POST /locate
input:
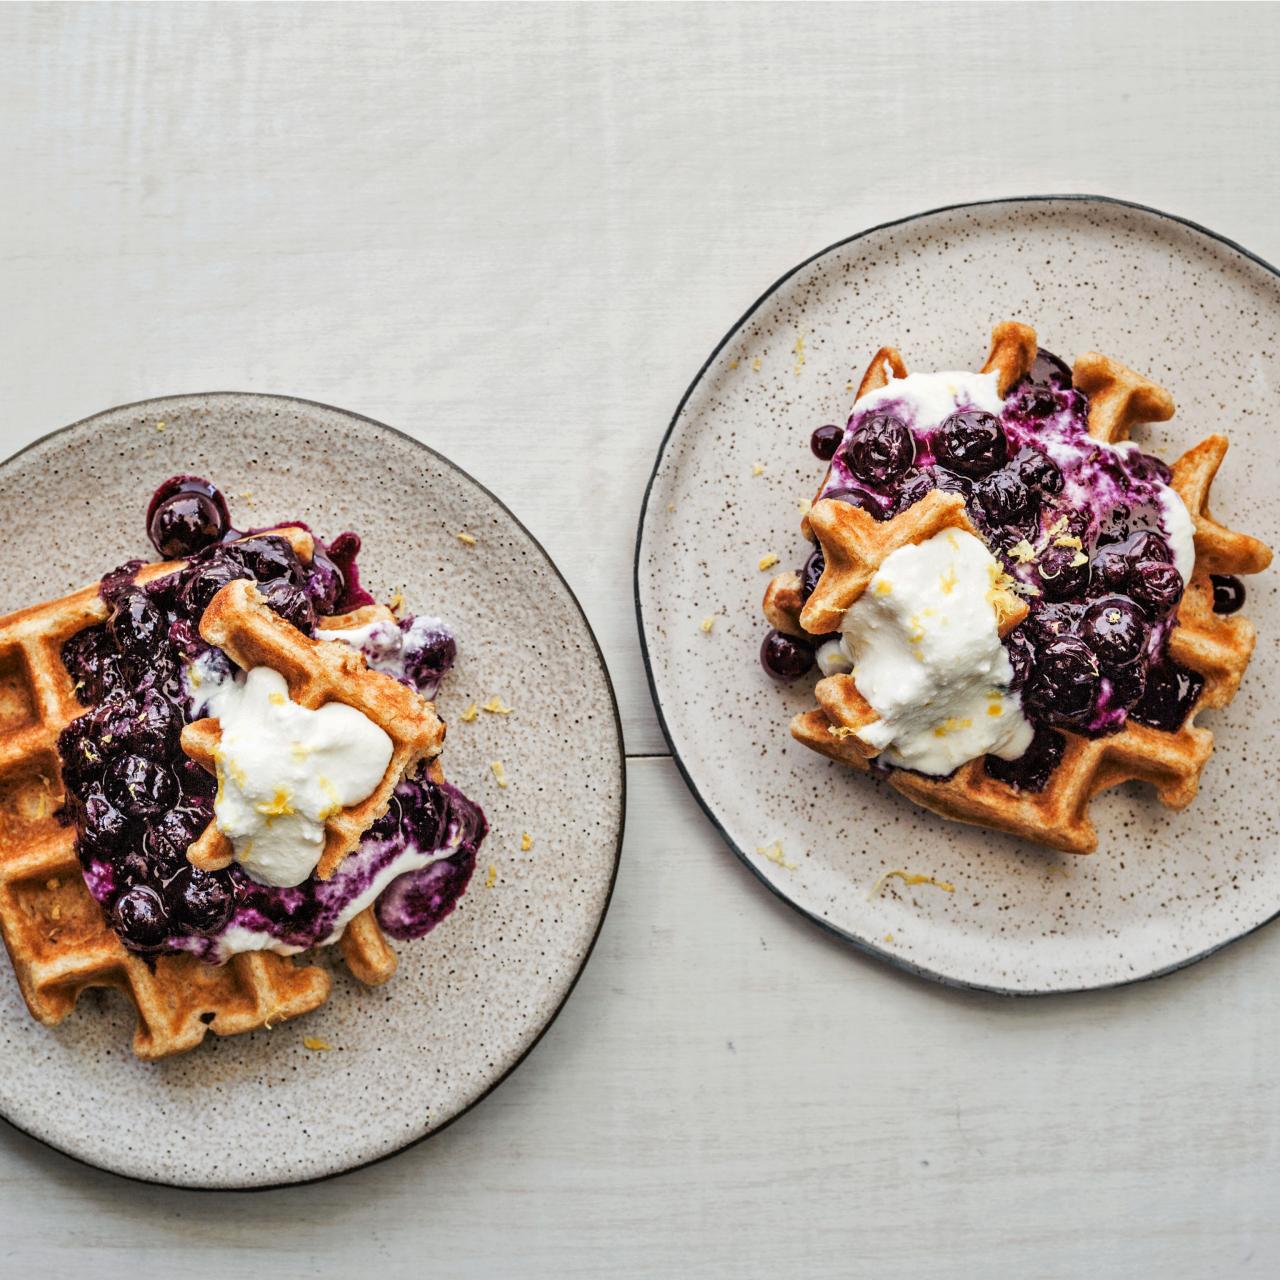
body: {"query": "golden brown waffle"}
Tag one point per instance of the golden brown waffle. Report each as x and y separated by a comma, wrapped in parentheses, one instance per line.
(57, 936)
(238, 622)
(1216, 647)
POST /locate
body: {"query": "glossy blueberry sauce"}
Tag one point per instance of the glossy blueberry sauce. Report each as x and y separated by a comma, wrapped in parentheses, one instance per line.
(138, 801)
(1081, 529)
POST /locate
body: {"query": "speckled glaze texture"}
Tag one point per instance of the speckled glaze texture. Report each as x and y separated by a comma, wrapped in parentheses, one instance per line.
(1173, 302)
(470, 999)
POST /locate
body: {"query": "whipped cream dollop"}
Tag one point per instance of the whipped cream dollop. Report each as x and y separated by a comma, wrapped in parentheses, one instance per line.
(923, 646)
(283, 769)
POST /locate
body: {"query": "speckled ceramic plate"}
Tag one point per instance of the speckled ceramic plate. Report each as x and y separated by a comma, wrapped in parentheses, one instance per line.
(1194, 311)
(470, 999)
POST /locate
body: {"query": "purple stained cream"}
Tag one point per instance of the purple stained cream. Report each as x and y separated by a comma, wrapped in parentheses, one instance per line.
(1091, 535)
(138, 802)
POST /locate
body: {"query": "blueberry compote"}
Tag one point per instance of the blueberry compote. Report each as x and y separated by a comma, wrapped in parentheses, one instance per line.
(138, 802)
(1091, 536)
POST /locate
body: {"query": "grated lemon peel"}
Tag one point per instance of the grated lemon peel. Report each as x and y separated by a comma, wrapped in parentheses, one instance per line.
(909, 878)
(773, 853)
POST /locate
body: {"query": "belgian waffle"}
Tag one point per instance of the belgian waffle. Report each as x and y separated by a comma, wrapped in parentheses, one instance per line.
(1216, 647)
(57, 936)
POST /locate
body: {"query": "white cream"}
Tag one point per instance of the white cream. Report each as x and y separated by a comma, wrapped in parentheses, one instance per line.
(832, 659)
(1181, 532)
(924, 648)
(381, 642)
(931, 398)
(283, 769)
(384, 645)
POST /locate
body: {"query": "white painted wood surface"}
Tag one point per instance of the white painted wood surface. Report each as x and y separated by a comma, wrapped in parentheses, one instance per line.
(517, 232)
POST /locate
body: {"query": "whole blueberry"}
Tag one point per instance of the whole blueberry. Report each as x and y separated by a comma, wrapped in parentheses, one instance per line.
(1115, 628)
(1170, 694)
(1003, 497)
(208, 579)
(875, 504)
(1049, 370)
(158, 723)
(136, 626)
(185, 523)
(1055, 618)
(428, 656)
(785, 657)
(811, 572)
(145, 723)
(201, 899)
(185, 640)
(324, 583)
(1039, 471)
(1064, 575)
(197, 507)
(1064, 686)
(113, 721)
(1156, 586)
(91, 658)
(825, 441)
(971, 442)
(164, 859)
(105, 829)
(140, 918)
(1228, 593)
(179, 827)
(1147, 545)
(291, 602)
(1111, 569)
(139, 786)
(881, 449)
(267, 558)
